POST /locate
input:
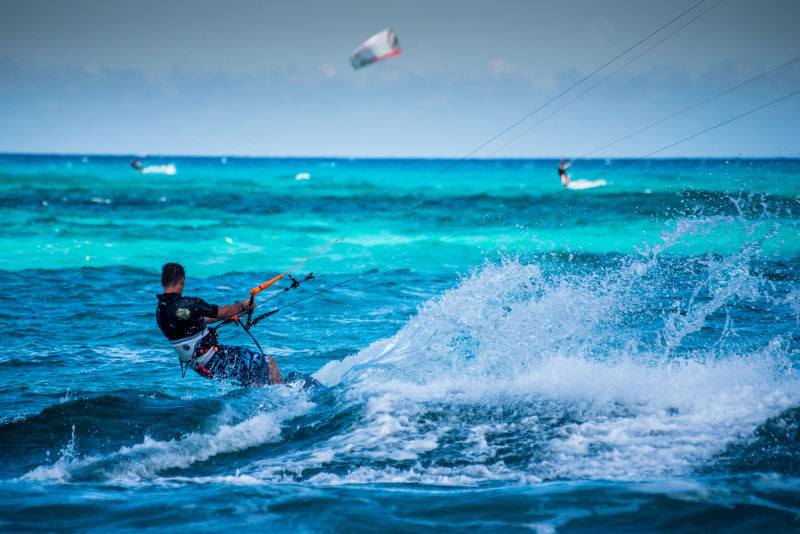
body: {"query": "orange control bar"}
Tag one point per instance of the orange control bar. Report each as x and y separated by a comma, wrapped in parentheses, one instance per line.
(265, 285)
(258, 289)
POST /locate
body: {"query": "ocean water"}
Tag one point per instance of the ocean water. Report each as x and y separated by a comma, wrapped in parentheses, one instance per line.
(501, 354)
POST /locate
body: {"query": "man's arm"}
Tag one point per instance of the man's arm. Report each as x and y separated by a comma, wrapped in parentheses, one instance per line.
(226, 312)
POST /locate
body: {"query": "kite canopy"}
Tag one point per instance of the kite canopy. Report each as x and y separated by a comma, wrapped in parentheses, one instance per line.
(378, 47)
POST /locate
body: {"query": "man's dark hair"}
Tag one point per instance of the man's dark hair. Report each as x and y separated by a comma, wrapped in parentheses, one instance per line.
(171, 274)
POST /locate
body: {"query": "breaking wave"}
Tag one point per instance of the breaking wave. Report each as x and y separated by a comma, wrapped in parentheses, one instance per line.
(608, 368)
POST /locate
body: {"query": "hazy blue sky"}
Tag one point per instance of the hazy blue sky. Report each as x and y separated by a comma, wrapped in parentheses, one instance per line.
(273, 78)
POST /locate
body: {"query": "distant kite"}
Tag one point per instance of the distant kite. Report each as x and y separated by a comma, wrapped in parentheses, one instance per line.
(380, 46)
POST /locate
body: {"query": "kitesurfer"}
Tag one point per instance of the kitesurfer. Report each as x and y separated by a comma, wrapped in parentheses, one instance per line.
(562, 172)
(137, 165)
(184, 320)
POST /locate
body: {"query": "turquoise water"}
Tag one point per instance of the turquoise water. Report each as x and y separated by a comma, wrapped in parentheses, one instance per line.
(502, 354)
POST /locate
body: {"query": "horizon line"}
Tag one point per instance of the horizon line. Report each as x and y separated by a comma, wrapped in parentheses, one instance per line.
(323, 157)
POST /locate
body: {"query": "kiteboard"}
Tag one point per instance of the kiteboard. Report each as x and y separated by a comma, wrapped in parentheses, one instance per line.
(303, 380)
(585, 184)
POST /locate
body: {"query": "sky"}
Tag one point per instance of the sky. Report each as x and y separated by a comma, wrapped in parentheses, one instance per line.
(267, 78)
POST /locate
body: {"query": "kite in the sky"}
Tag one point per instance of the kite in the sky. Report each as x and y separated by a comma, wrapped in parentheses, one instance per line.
(380, 46)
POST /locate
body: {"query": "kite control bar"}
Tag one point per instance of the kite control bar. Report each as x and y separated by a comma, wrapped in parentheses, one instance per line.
(250, 321)
(258, 289)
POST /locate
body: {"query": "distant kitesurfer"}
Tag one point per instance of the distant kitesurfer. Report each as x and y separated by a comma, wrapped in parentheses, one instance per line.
(562, 172)
(137, 165)
(184, 320)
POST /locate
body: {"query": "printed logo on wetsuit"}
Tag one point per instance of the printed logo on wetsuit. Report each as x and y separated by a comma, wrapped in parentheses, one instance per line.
(183, 313)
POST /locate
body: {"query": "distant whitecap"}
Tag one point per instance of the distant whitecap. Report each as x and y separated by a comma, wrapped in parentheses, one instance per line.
(160, 169)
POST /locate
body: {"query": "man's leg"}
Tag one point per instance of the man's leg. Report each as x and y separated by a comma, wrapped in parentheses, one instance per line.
(250, 368)
(274, 373)
(255, 369)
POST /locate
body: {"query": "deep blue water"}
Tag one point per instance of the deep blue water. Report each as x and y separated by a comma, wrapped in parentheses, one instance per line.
(501, 354)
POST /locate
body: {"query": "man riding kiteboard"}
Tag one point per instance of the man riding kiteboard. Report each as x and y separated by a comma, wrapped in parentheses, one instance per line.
(562, 172)
(184, 321)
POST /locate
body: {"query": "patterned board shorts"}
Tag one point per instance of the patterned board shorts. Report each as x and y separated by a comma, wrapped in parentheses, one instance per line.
(237, 363)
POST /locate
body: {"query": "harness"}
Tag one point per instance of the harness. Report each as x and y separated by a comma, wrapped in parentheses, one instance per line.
(189, 355)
